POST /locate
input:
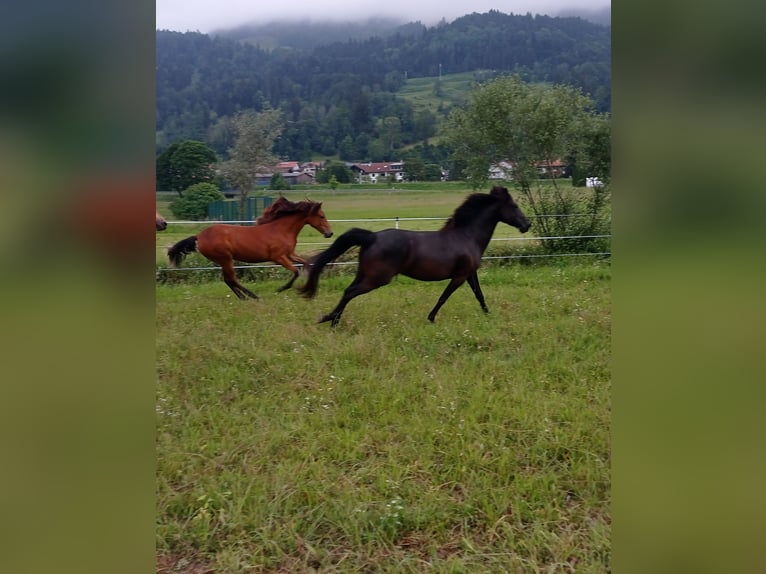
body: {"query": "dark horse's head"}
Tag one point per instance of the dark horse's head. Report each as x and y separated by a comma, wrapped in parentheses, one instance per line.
(509, 209)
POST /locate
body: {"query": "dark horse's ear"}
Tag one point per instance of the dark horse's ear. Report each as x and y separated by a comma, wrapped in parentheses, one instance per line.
(500, 192)
(315, 207)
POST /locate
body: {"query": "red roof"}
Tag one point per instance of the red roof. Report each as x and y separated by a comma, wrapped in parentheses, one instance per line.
(287, 165)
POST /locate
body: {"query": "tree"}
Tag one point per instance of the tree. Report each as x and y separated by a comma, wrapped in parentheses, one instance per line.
(338, 170)
(432, 172)
(252, 152)
(193, 203)
(390, 132)
(531, 126)
(414, 168)
(183, 164)
(278, 182)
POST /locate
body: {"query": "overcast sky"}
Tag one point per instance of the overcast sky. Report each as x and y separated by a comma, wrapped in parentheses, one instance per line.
(209, 15)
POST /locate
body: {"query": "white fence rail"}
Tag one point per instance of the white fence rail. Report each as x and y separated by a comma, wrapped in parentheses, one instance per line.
(396, 220)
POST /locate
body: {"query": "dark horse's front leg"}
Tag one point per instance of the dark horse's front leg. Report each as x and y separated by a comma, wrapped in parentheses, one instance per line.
(473, 281)
(450, 289)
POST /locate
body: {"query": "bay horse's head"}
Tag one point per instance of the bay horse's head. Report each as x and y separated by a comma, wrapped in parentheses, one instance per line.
(159, 221)
(509, 210)
(318, 220)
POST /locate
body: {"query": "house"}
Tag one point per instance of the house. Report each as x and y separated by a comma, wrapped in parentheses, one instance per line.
(593, 182)
(312, 167)
(554, 169)
(504, 169)
(501, 170)
(301, 178)
(375, 172)
(287, 167)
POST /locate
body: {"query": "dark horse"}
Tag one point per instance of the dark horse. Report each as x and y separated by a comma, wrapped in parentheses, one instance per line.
(272, 239)
(454, 252)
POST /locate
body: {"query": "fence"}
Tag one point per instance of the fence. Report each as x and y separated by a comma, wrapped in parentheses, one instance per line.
(225, 211)
(396, 221)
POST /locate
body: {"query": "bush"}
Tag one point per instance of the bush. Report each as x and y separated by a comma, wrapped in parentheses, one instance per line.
(278, 182)
(193, 204)
(575, 215)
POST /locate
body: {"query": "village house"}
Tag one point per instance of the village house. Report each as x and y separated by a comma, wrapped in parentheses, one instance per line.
(375, 172)
(504, 170)
(287, 167)
(294, 173)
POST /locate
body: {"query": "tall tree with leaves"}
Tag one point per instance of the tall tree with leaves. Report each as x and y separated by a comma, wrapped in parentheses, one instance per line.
(252, 152)
(184, 164)
(533, 125)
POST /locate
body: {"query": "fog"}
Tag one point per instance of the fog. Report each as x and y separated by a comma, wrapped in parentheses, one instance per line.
(205, 16)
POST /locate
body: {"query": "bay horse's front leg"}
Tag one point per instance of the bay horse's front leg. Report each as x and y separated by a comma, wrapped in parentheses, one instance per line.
(473, 281)
(449, 290)
(285, 261)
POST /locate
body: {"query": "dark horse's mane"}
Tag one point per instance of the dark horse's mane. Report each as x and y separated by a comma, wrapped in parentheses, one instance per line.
(474, 204)
(283, 207)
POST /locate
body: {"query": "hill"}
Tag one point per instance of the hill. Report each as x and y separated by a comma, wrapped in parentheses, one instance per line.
(364, 98)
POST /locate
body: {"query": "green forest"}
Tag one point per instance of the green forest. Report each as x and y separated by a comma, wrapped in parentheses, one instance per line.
(352, 99)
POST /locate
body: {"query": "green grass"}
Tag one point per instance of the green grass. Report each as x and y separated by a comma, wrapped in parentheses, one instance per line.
(455, 90)
(479, 443)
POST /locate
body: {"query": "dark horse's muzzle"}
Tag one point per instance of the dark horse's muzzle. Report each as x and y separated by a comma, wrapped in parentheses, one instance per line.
(328, 234)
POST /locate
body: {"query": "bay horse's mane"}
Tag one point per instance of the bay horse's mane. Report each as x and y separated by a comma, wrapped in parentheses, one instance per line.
(474, 204)
(283, 207)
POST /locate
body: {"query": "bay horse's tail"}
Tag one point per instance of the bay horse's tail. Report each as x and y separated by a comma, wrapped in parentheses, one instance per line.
(351, 238)
(177, 253)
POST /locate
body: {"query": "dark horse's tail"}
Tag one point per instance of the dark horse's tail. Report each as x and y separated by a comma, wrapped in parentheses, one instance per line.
(177, 253)
(351, 238)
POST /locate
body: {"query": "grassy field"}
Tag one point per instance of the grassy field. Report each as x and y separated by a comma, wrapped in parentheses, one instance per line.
(479, 443)
(454, 90)
(476, 444)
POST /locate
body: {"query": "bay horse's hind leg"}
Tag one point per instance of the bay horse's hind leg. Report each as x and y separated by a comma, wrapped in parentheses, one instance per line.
(285, 262)
(230, 278)
(473, 281)
(449, 290)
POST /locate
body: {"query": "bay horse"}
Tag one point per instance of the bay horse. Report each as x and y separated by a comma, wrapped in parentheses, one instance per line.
(273, 238)
(159, 221)
(453, 252)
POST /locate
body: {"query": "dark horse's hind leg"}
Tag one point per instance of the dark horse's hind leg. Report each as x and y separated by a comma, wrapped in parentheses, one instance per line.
(473, 281)
(450, 289)
(358, 287)
(230, 278)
